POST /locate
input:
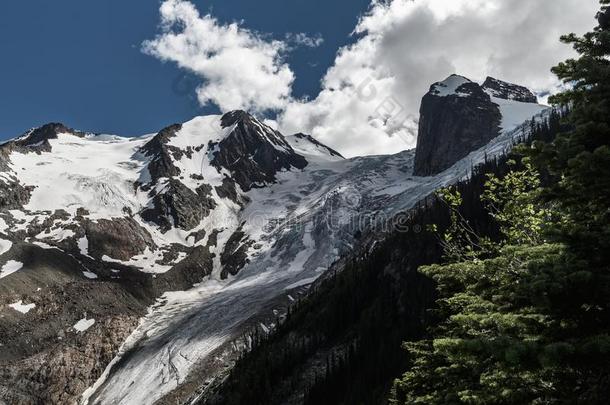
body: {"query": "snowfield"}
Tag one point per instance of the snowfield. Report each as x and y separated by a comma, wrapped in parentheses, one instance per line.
(96, 172)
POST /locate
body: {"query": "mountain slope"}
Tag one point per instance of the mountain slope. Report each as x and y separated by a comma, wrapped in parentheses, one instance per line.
(342, 342)
(222, 217)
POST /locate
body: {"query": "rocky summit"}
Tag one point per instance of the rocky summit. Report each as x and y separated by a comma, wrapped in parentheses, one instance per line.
(130, 268)
(458, 116)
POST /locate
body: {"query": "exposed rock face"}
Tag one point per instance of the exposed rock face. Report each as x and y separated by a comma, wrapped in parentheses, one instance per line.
(179, 206)
(189, 271)
(176, 204)
(235, 257)
(161, 164)
(457, 116)
(118, 238)
(59, 375)
(13, 195)
(253, 152)
(603, 17)
(36, 140)
(508, 91)
(228, 189)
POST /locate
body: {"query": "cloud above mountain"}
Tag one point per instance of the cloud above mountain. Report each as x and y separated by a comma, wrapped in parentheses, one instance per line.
(370, 97)
(239, 69)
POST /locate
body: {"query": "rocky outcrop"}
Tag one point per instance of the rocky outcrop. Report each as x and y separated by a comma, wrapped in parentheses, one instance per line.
(253, 152)
(197, 265)
(457, 117)
(160, 153)
(14, 195)
(45, 133)
(117, 238)
(36, 140)
(250, 155)
(59, 374)
(508, 91)
(177, 205)
(235, 254)
(228, 190)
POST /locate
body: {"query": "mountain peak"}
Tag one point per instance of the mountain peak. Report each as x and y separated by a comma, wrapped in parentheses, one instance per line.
(254, 152)
(458, 116)
(450, 86)
(44, 133)
(235, 116)
(508, 91)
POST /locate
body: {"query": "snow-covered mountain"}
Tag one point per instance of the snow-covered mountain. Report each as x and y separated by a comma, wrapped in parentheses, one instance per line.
(222, 217)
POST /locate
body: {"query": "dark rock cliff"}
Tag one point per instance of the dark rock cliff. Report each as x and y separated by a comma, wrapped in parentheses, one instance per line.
(456, 117)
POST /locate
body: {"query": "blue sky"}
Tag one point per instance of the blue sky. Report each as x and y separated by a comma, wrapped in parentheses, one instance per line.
(79, 62)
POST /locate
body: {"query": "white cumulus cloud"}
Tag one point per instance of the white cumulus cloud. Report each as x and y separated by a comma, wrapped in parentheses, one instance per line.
(239, 69)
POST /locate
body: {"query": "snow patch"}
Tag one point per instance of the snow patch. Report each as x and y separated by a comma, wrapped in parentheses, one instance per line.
(305, 147)
(5, 246)
(90, 275)
(43, 245)
(10, 267)
(83, 324)
(21, 307)
(57, 234)
(83, 246)
(515, 113)
(3, 225)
